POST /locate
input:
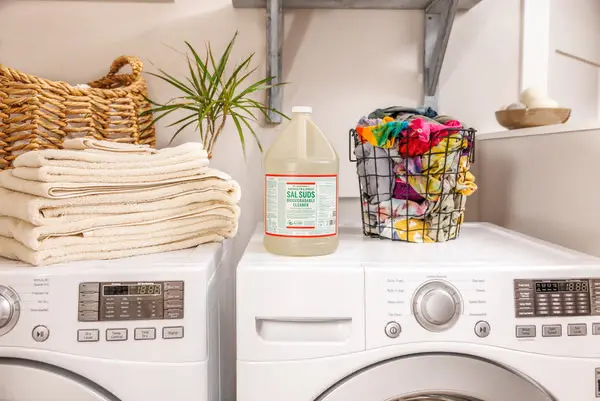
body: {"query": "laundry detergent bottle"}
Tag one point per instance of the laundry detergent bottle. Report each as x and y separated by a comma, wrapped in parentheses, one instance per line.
(301, 190)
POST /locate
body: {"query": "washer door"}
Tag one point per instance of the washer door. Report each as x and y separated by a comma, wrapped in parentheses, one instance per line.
(22, 380)
(436, 377)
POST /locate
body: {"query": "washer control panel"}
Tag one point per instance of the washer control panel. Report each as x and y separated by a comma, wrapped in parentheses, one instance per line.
(110, 301)
(569, 297)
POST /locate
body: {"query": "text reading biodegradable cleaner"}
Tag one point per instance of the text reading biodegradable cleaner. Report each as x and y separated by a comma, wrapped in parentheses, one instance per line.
(301, 190)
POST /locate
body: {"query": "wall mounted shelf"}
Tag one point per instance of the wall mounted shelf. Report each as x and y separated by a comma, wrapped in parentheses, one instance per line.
(439, 18)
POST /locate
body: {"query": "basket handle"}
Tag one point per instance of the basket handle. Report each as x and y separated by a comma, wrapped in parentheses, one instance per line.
(135, 63)
(113, 80)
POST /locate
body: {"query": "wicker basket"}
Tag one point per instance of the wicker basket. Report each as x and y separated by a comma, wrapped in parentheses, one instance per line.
(37, 113)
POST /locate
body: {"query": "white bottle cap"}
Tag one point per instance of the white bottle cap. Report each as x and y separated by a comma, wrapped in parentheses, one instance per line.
(302, 109)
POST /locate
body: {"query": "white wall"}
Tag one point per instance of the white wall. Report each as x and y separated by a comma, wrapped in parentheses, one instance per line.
(544, 186)
(574, 81)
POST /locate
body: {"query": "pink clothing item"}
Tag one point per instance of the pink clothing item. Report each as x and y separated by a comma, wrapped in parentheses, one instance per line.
(423, 135)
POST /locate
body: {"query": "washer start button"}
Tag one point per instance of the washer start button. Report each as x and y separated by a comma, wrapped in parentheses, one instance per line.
(40, 333)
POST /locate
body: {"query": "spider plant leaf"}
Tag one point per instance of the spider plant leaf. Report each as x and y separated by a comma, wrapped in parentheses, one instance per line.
(224, 58)
(253, 104)
(163, 115)
(151, 101)
(244, 77)
(233, 79)
(246, 110)
(201, 66)
(240, 131)
(185, 106)
(195, 83)
(193, 115)
(174, 82)
(255, 87)
(180, 129)
(247, 124)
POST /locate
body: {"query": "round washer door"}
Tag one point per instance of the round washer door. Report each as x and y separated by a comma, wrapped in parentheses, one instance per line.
(22, 380)
(436, 377)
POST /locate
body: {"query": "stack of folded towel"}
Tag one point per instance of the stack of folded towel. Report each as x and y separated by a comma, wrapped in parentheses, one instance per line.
(105, 200)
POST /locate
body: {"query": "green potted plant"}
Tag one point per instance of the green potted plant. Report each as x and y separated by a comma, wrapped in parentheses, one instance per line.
(213, 93)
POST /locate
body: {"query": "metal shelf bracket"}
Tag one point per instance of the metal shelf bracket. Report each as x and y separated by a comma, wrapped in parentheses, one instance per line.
(439, 18)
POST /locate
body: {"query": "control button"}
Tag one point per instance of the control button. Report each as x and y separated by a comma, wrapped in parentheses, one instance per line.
(554, 330)
(523, 285)
(174, 314)
(524, 294)
(482, 329)
(88, 306)
(174, 304)
(88, 335)
(525, 331)
(89, 287)
(174, 285)
(40, 333)
(116, 334)
(392, 329)
(596, 329)
(89, 297)
(145, 333)
(579, 329)
(172, 332)
(526, 304)
(88, 316)
(173, 294)
(524, 313)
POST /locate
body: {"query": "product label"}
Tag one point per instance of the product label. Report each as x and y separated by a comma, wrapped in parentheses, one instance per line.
(301, 206)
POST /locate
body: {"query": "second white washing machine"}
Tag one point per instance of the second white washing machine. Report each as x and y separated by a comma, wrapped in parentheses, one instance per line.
(141, 328)
(491, 316)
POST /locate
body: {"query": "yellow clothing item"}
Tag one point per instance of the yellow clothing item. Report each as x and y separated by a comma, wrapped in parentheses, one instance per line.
(412, 230)
(465, 184)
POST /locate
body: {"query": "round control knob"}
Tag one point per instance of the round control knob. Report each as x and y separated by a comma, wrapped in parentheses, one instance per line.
(5, 311)
(9, 309)
(437, 305)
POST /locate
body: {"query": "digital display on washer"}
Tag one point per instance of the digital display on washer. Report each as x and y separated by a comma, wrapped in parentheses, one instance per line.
(562, 286)
(131, 300)
(552, 297)
(132, 289)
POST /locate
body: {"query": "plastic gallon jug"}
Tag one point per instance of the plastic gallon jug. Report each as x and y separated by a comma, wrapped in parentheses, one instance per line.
(301, 190)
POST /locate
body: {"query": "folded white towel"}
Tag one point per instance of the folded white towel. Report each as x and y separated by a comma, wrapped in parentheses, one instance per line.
(9, 248)
(220, 219)
(107, 146)
(43, 211)
(64, 190)
(108, 160)
(33, 237)
(125, 175)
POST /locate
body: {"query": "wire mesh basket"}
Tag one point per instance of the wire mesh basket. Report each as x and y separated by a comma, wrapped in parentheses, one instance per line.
(414, 187)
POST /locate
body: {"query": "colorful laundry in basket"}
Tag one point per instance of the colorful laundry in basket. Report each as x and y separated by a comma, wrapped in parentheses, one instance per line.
(414, 173)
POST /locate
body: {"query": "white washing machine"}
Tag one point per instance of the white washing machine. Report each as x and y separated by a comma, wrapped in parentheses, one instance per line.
(140, 328)
(492, 316)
